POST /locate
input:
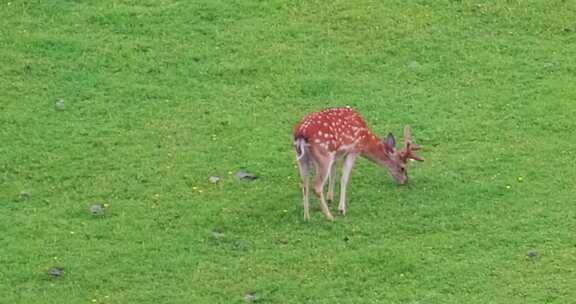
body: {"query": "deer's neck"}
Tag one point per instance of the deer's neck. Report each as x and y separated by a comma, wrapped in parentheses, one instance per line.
(374, 150)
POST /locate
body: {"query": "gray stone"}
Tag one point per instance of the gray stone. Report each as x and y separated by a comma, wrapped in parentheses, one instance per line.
(218, 235)
(244, 175)
(60, 105)
(55, 272)
(24, 196)
(241, 245)
(96, 209)
(250, 297)
(414, 65)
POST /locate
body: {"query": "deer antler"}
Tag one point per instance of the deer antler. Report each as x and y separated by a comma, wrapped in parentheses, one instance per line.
(407, 151)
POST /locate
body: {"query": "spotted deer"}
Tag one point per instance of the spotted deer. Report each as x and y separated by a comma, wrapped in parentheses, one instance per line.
(322, 138)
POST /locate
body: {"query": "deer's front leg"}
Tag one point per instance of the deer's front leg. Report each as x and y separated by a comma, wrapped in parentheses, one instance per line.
(346, 169)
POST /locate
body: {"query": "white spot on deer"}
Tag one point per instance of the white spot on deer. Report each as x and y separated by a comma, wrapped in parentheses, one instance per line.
(319, 133)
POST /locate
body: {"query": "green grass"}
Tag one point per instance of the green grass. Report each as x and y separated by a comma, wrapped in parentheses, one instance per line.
(161, 95)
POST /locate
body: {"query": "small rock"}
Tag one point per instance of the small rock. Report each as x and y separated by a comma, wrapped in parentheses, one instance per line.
(24, 196)
(55, 272)
(250, 297)
(241, 245)
(96, 209)
(243, 175)
(60, 105)
(218, 235)
(532, 253)
(413, 65)
(214, 179)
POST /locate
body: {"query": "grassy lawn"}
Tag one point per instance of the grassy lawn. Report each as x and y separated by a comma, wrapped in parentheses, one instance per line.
(159, 95)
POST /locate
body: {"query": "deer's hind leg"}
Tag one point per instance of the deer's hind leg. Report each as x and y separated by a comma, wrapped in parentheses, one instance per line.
(323, 163)
(304, 164)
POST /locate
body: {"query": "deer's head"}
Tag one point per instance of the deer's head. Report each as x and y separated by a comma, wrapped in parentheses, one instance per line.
(397, 159)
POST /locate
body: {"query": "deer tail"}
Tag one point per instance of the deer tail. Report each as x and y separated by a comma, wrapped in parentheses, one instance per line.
(300, 144)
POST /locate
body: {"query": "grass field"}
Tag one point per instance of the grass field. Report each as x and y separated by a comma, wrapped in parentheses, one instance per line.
(161, 95)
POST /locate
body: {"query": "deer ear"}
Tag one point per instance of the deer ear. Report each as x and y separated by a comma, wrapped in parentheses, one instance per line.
(390, 143)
